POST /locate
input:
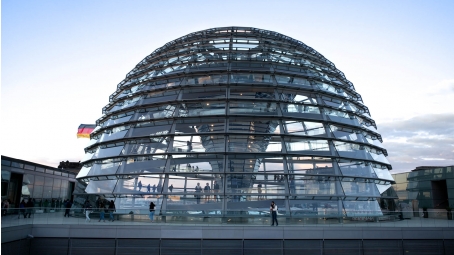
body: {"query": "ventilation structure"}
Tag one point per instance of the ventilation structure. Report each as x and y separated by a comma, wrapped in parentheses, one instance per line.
(222, 121)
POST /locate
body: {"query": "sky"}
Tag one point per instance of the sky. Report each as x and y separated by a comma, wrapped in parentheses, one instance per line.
(61, 60)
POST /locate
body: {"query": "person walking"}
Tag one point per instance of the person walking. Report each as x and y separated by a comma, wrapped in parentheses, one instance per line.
(101, 212)
(112, 209)
(152, 206)
(273, 210)
(67, 205)
(88, 208)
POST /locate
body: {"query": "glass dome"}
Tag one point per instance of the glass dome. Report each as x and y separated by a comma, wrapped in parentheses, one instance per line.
(224, 120)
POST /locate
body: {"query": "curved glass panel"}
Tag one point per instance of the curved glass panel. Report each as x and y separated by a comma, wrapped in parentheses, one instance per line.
(101, 187)
(117, 120)
(250, 78)
(117, 133)
(83, 172)
(205, 93)
(307, 128)
(139, 165)
(146, 146)
(356, 188)
(107, 167)
(251, 93)
(108, 152)
(200, 125)
(315, 207)
(150, 129)
(244, 125)
(356, 168)
(258, 108)
(383, 173)
(159, 96)
(150, 184)
(201, 109)
(362, 208)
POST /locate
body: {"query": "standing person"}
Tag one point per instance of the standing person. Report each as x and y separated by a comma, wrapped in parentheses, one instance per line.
(154, 188)
(5, 206)
(152, 206)
(88, 208)
(216, 190)
(22, 209)
(259, 189)
(29, 206)
(101, 212)
(198, 189)
(112, 209)
(171, 187)
(140, 185)
(206, 190)
(68, 205)
(148, 188)
(46, 204)
(273, 210)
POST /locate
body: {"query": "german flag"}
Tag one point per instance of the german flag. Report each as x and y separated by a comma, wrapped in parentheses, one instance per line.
(85, 130)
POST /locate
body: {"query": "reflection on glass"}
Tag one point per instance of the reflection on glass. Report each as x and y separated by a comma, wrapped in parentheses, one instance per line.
(145, 164)
(238, 125)
(355, 188)
(304, 128)
(362, 208)
(252, 107)
(100, 187)
(301, 144)
(356, 168)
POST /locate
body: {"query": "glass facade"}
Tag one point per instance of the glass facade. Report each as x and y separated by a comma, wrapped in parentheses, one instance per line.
(426, 187)
(22, 180)
(222, 121)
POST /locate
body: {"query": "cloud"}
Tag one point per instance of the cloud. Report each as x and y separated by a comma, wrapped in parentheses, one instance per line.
(424, 140)
(442, 88)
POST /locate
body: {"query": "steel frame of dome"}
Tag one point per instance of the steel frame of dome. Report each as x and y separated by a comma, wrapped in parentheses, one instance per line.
(260, 114)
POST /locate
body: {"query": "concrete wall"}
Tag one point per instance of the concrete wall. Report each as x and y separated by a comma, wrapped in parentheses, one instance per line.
(156, 239)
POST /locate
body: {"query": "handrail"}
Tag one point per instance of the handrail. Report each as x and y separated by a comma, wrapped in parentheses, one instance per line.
(39, 215)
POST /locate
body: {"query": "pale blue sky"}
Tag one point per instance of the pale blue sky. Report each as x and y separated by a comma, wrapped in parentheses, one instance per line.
(62, 59)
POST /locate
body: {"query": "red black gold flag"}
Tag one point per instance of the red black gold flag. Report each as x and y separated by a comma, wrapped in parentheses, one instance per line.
(85, 130)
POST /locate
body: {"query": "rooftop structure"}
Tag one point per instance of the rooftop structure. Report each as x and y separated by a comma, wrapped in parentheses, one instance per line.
(430, 187)
(225, 120)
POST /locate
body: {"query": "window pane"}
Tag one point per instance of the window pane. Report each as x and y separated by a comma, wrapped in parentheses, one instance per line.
(39, 180)
(49, 181)
(38, 191)
(57, 183)
(6, 162)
